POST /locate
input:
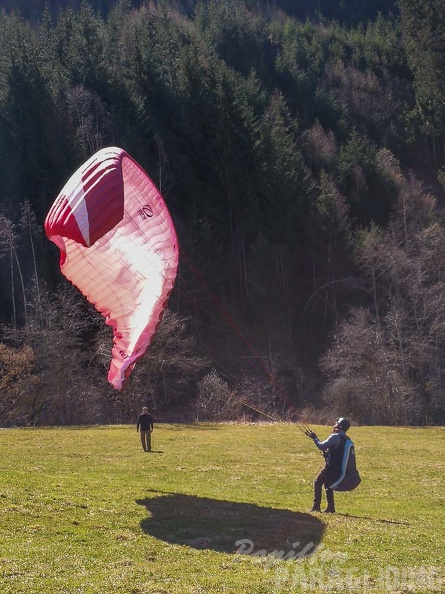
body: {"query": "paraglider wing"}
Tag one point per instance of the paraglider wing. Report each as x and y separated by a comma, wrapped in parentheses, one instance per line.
(118, 246)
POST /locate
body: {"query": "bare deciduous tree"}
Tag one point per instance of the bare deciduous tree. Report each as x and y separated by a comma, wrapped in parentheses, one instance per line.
(386, 363)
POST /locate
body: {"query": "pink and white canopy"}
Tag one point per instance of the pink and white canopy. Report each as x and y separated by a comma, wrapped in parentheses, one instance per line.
(118, 246)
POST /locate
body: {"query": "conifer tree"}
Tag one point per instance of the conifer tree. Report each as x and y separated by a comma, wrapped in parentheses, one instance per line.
(423, 27)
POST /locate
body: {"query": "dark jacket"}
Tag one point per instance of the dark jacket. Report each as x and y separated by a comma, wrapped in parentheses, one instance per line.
(145, 422)
(333, 449)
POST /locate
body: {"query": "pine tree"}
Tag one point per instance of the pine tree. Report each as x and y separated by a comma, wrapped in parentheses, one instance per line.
(423, 27)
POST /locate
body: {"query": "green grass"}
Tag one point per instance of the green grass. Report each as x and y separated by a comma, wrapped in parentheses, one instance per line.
(85, 510)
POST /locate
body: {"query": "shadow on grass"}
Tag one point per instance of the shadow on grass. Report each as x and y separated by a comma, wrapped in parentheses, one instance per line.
(381, 520)
(230, 527)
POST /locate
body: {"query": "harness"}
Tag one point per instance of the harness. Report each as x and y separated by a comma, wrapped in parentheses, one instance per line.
(342, 473)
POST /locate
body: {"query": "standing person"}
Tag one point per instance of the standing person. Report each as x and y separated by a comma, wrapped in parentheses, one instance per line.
(333, 448)
(145, 423)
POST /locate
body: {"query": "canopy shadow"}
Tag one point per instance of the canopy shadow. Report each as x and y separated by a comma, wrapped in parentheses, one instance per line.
(230, 527)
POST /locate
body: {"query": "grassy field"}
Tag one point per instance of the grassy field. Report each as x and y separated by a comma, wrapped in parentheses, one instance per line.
(217, 509)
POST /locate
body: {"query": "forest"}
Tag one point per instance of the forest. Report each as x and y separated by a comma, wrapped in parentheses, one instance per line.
(300, 149)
